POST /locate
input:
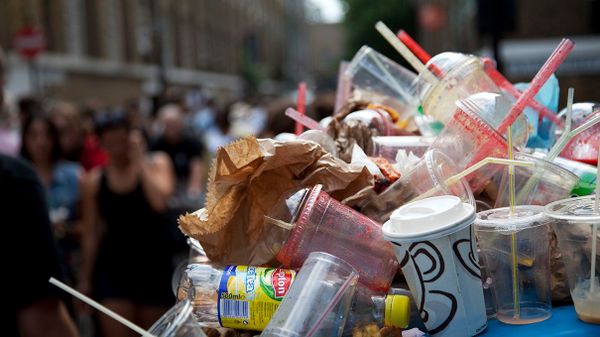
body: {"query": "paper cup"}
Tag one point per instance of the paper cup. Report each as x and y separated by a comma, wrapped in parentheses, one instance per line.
(434, 243)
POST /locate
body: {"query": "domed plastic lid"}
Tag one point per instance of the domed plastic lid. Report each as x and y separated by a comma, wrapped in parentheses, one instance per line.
(448, 60)
(574, 209)
(501, 219)
(428, 219)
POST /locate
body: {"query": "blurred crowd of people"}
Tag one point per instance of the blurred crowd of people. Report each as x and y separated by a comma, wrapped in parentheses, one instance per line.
(114, 180)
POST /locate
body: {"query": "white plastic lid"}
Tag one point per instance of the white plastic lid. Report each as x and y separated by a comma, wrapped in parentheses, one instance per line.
(428, 219)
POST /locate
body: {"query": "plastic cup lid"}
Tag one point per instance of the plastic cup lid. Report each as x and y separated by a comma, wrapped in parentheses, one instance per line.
(574, 209)
(501, 219)
(428, 219)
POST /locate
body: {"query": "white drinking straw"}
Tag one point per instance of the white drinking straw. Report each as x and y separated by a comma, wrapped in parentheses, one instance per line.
(101, 308)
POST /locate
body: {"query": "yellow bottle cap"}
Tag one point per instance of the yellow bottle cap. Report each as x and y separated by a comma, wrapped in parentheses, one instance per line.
(397, 311)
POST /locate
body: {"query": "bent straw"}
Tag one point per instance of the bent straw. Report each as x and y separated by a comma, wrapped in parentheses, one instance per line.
(301, 105)
(513, 236)
(555, 151)
(457, 177)
(554, 61)
(405, 52)
(505, 84)
(418, 51)
(560, 144)
(303, 119)
(100, 307)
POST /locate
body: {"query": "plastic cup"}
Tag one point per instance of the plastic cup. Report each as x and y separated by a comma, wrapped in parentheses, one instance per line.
(434, 242)
(527, 230)
(573, 221)
(177, 322)
(318, 301)
(317, 222)
(541, 184)
(372, 72)
(467, 139)
(430, 172)
(388, 147)
(463, 75)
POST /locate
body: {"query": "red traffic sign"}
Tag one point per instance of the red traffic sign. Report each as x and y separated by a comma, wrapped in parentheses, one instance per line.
(30, 42)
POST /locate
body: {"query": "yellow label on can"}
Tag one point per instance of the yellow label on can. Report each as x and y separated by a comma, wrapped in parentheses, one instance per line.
(249, 296)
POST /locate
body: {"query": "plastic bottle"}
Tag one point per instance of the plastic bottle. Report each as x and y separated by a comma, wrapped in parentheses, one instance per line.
(205, 284)
(240, 297)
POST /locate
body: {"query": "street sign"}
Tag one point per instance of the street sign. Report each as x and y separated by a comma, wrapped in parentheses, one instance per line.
(30, 42)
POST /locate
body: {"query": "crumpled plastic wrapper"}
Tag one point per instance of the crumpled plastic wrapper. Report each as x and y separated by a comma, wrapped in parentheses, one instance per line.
(246, 180)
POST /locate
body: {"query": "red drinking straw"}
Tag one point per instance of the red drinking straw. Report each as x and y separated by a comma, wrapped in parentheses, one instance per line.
(419, 52)
(554, 61)
(300, 106)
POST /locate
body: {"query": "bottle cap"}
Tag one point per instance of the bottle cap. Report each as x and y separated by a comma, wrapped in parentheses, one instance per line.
(397, 311)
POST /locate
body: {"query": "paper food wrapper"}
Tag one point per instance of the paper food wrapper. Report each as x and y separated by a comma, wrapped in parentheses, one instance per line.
(246, 180)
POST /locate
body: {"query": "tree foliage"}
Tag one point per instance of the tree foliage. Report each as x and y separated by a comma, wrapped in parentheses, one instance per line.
(361, 17)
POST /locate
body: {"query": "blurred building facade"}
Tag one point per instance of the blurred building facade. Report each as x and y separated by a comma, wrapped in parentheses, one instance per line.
(118, 49)
(326, 49)
(527, 32)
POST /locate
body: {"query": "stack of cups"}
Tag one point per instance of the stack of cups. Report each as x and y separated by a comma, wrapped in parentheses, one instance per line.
(434, 242)
(576, 223)
(515, 247)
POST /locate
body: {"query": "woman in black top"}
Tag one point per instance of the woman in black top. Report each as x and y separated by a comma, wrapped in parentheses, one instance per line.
(127, 254)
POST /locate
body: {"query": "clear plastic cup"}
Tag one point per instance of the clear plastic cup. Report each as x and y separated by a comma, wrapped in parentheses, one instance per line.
(526, 230)
(430, 172)
(318, 301)
(434, 242)
(177, 322)
(310, 220)
(372, 72)
(541, 184)
(388, 147)
(468, 138)
(463, 75)
(573, 221)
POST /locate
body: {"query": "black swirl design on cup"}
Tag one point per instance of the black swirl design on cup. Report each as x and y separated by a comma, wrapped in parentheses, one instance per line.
(469, 264)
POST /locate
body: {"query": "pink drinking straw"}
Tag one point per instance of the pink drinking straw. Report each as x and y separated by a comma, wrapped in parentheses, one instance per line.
(419, 52)
(502, 82)
(554, 61)
(303, 119)
(300, 106)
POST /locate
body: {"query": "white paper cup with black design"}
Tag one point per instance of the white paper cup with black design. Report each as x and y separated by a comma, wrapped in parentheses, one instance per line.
(434, 242)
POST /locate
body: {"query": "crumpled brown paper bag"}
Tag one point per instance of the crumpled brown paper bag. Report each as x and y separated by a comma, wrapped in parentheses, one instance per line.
(247, 178)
